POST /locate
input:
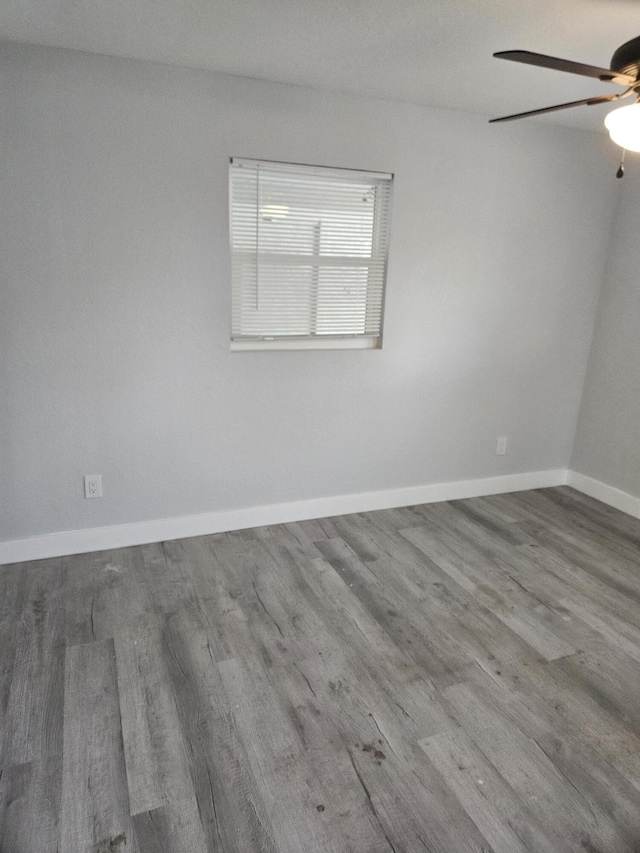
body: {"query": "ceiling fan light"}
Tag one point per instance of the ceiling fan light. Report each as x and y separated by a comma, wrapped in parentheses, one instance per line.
(623, 125)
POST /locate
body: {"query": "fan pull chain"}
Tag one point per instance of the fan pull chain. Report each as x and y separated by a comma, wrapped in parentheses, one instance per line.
(620, 172)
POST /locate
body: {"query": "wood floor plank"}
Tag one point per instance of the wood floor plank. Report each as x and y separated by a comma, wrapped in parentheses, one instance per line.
(610, 796)
(154, 748)
(613, 675)
(452, 613)
(353, 641)
(566, 699)
(501, 815)
(231, 810)
(173, 828)
(396, 607)
(445, 677)
(492, 535)
(329, 740)
(596, 611)
(95, 802)
(490, 583)
(166, 584)
(379, 739)
(574, 510)
(530, 772)
(244, 599)
(12, 584)
(33, 722)
(30, 806)
(290, 790)
(101, 594)
(607, 557)
(401, 799)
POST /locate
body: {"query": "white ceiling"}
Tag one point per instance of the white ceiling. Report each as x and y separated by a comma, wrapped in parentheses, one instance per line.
(436, 52)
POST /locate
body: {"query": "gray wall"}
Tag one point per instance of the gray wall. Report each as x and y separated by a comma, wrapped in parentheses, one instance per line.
(115, 301)
(607, 445)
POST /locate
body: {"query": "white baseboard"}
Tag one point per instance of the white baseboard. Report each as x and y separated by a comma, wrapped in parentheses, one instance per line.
(143, 532)
(607, 494)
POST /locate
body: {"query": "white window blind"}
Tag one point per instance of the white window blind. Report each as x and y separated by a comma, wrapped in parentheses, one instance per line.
(309, 253)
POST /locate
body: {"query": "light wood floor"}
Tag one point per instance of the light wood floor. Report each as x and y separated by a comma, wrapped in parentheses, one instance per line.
(454, 677)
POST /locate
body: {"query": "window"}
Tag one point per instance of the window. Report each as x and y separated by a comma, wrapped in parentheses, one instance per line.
(309, 255)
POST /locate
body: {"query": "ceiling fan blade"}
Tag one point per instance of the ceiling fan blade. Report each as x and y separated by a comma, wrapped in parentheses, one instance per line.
(552, 62)
(600, 99)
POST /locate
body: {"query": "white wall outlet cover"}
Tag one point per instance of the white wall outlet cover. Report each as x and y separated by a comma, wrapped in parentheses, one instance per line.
(93, 486)
(501, 445)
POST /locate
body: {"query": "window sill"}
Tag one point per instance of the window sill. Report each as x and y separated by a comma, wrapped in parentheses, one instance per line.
(371, 342)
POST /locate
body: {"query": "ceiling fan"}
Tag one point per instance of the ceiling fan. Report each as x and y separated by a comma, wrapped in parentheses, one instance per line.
(623, 123)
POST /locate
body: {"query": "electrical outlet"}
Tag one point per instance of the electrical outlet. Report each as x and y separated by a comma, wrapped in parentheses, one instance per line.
(501, 445)
(93, 485)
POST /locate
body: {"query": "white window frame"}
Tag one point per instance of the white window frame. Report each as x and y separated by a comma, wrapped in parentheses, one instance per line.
(368, 261)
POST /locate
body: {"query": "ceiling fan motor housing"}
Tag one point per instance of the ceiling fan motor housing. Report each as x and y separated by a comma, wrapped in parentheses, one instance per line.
(626, 59)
